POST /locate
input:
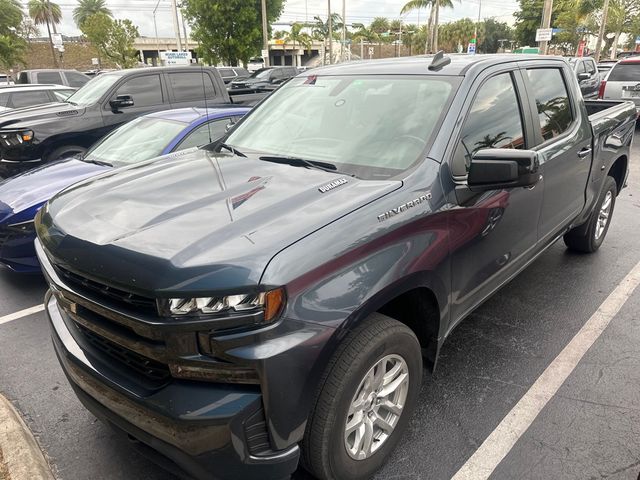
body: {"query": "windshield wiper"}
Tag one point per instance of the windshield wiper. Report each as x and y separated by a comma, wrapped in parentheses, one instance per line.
(95, 162)
(233, 150)
(302, 162)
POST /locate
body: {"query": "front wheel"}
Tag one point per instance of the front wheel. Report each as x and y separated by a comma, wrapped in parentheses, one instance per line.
(369, 391)
(588, 238)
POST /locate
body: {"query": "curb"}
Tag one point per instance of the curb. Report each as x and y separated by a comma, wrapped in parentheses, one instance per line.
(22, 457)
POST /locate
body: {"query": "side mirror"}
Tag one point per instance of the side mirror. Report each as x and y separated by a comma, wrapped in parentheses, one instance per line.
(496, 168)
(121, 101)
(584, 76)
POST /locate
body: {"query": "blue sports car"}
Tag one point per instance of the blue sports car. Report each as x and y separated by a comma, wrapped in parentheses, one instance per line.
(141, 139)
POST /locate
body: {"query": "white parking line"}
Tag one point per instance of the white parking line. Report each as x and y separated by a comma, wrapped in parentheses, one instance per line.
(22, 313)
(500, 442)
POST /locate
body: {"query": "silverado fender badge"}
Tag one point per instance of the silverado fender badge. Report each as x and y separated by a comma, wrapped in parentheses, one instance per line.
(404, 207)
(332, 185)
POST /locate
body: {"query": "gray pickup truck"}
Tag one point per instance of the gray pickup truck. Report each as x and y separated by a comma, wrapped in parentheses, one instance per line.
(272, 299)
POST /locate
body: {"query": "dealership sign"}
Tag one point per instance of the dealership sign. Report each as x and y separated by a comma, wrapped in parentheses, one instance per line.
(176, 58)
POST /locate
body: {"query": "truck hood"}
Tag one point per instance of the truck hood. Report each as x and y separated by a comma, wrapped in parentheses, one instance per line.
(30, 116)
(33, 188)
(194, 223)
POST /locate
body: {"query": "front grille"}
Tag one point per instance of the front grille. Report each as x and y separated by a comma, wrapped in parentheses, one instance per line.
(126, 299)
(140, 365)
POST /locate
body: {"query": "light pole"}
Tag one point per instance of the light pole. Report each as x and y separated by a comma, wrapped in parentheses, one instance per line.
(344, 29)
(330, 28)
(155, 26)
(475, 31)
(265, 33)
(546, 23)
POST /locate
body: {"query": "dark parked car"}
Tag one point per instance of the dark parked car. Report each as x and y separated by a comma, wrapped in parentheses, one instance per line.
(139, 140)
(18, 96)
(36, 135)
(274, 298)
(263, 79)
(70, 78)
(587, 74)
(233, 73)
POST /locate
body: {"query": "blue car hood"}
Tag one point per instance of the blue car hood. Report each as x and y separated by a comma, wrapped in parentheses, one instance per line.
(35, 187)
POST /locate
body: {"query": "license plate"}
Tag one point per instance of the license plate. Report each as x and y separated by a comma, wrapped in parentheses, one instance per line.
(632, 93)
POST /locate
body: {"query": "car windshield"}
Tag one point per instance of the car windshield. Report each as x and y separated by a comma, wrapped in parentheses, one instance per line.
(93, 90)
(370, 127)
(136, 141)
(262, 73)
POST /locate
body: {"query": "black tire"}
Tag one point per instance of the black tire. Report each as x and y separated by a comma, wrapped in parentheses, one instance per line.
(324, 451)
(65, 152)
(583, 238)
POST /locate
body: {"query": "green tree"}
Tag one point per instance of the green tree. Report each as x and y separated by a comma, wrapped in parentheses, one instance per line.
(12, 47)
(434, 14)
(458, 33)
(297, 36)
(494, 31)
(112, 39)
(228, 31)
(44, 12)
(86, 8)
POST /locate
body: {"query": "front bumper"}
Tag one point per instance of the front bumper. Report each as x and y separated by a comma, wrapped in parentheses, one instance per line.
(17, 251)
(201, 428)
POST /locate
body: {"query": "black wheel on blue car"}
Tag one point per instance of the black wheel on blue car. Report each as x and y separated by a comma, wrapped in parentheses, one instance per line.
(588, 238)
(365, 401)
(66, 152)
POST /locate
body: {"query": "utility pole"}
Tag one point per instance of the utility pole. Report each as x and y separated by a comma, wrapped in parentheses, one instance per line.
(265, 33)
(184, 29)
(344, 30)
(155, 26)
(176, 24)
(546, 23)
(603, 23)
(400, 39)
(330, 27)
(475, 31)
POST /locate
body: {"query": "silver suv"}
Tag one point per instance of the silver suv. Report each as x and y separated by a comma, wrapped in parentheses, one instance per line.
(623, 82)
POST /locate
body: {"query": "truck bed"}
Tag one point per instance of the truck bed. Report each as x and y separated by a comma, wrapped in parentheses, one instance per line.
(608, 115)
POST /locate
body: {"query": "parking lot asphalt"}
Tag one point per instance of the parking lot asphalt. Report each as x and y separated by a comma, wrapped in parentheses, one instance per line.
(589, 429)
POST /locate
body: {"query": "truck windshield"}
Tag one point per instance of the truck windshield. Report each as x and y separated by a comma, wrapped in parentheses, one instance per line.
(373, 127)
(93, 90)
(136, 141)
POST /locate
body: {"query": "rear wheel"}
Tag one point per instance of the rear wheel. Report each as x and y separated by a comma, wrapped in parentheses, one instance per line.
(368, 393)
(588, 238)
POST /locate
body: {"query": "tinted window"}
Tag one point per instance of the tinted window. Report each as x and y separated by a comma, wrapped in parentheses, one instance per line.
(200, 136)
(189, 86)
(552, 101)
(26, 99)
(494, 121)
(23, 78)
(49, 77)
(590, 65)
(4, 98)
(146, 91)
(582, 67)
(226, 72)
(241, 72)
(75, 79)
(625, 72)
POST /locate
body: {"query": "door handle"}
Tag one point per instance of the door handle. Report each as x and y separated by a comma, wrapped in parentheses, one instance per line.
(584, 152)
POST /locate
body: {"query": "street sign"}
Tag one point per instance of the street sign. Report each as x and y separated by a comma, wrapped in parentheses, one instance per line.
(371, 52)
(544, 34)
(56, 38)
(264, 53)
(471, 48)
(94, 61)
(638, 40)
(176, 58)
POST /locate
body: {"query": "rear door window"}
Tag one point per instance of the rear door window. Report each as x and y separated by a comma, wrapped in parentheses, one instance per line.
(552, 101)
(190, 86)
(226, 72)
(49, 77)
(4, 99)
(625, 72)
(26, 99)
(146, 91)
(494, 121)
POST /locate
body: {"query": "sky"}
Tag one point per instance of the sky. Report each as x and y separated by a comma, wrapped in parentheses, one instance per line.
(140, 12)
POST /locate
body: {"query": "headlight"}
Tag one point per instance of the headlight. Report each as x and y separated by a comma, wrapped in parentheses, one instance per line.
(270, 303)
(16, 137)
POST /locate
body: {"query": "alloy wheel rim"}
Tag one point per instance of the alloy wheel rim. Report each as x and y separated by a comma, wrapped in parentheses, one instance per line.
(376, 407)
(603, 215)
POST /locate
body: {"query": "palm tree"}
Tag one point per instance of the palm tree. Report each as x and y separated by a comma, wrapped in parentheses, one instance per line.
(434, 6)
(364, 34)
(44, 12)
(297, 35)
(320, 28)
(86, 8)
